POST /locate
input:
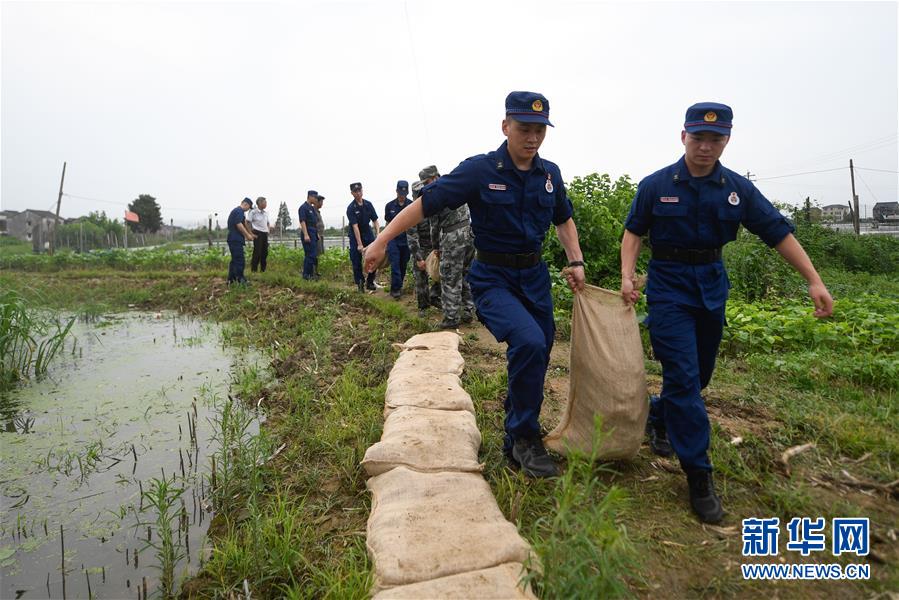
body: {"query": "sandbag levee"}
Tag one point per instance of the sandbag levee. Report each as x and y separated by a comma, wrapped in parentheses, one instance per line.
(435, 529)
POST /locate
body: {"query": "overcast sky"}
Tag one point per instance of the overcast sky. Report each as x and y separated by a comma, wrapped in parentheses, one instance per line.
(200, 104)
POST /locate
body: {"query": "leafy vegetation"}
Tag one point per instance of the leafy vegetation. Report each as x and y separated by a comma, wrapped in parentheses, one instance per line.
(28, 341)
(292, 500)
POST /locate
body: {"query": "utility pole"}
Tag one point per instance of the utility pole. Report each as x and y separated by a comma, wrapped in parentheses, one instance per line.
(209, 231)
(58, 202)
(855, 217)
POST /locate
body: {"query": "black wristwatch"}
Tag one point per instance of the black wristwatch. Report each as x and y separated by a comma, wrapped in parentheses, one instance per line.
(575, 263)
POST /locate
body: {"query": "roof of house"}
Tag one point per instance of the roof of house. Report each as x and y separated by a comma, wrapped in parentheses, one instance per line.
(42, 213)
(843, 206)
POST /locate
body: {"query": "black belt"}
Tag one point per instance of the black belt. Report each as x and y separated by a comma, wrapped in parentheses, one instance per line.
(512, 261)
(691, 256)
(456, 226)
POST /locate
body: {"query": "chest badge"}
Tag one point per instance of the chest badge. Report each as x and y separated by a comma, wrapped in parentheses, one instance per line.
(549, 183)
(669, 199)
(733, 199)
(500, 187)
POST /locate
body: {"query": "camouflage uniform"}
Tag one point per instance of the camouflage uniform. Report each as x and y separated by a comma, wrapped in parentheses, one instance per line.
(452, 230)
(320, 225)
(419, 239)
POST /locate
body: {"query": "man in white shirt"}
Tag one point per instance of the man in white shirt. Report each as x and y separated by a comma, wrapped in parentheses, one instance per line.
(259, 222)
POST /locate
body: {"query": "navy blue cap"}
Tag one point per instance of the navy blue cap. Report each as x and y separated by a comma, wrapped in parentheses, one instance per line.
(312, 193)
(355, 187)
(528, 107)
(402, 185)
(709, 116)
(248, 201)
(320, 197)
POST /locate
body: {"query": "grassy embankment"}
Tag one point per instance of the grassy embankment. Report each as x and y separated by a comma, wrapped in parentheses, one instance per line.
(294, 527)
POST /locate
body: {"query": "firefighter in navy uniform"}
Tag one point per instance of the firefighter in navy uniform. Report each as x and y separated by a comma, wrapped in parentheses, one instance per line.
(690, 210)
(513, 195)
(309, 233)
(398, 248)
(360, 214)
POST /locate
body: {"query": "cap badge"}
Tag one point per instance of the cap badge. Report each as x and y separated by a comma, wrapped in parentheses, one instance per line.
(537, 106)
(549, 182)
(733, 199)
(710, 117)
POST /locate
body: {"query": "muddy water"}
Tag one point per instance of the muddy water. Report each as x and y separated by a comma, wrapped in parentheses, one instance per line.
(78, 448)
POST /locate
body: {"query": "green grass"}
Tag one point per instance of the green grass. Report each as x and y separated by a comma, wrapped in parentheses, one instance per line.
(294, 526)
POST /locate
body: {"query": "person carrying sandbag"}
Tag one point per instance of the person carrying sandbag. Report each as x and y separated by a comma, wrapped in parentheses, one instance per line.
(513, 195)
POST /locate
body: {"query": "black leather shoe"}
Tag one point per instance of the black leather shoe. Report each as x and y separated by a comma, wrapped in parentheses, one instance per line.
(395, 295)
(467, 318)
(447, 324)
(436, 303)
(533, 459)
(703, 499)
(370, 286)
(658, 441)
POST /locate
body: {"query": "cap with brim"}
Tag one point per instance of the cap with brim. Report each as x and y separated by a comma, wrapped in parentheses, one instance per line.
(320, 197)
(355, 187)
(528, 107)
(402, 185)
(247, 201)
(312, 193)
(709, 116)
(428, 172)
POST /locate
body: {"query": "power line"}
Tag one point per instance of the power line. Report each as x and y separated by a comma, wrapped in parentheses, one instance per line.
(126, 204)
(798, 174)
(873, 195)
(877, 170)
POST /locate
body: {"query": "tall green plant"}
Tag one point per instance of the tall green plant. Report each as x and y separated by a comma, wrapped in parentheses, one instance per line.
(162, 498)
(28, 343)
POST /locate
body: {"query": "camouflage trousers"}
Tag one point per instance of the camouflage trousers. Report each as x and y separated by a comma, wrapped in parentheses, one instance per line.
(456, 254)
(427, 292)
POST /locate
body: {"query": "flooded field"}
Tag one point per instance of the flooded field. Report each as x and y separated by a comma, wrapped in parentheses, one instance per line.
(106, 463)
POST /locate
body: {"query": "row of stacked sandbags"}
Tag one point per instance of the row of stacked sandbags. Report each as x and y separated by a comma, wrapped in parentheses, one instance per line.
(435, 530)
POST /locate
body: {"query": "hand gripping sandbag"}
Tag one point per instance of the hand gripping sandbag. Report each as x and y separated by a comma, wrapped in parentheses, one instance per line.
(495, 583)
(607, 378)
(432, 266)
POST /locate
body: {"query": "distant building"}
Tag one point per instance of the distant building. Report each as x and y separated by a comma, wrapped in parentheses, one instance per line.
(30, 226)
(835, 212)
(886, 212)
(4, 221)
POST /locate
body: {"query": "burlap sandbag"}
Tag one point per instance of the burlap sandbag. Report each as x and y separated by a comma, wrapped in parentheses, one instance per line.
(426, 440)
(495, 583)
(428, 525)
(606, 378)
(433, 360)
(435, 339)
(441, 391)
(432, 266)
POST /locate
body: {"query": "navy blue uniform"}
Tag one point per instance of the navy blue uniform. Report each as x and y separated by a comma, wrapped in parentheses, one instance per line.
(511, 211)
(362, 215)
(397, 248)
(686, 301)
(310, 248)
(236, 246)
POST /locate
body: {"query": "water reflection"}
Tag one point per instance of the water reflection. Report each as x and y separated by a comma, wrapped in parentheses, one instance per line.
(129, 406)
